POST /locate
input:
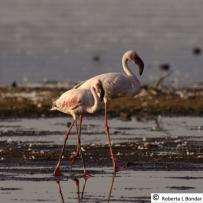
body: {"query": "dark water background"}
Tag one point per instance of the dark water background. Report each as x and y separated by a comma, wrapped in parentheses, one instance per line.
(57, 40)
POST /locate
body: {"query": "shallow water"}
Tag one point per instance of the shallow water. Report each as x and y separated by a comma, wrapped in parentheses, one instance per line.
(127, 186)
(32, 181)
(51, 130)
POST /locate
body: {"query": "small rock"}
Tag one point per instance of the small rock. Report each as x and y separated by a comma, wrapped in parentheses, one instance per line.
(9, 140)
(144, 139)
(140, 147)
(165, 67)
(197, 51)
(200, 128)
(148, 145)
(42, 152)
(96, 58)
(39, 105)
(14, 84)
(125, 116)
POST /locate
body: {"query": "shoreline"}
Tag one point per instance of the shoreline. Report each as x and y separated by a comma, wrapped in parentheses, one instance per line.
(26, 101)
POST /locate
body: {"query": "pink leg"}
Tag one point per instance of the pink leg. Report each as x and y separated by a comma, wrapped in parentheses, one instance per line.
(116, 168)
(57, 171)
(76, 154)
(79, 151)
(86, 174)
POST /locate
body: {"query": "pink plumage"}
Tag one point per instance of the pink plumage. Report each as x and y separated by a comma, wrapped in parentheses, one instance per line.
(117, 85)
(76, 102)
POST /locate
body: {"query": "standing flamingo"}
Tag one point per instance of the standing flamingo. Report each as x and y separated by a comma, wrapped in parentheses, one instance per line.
(117, 85)
(76, 102)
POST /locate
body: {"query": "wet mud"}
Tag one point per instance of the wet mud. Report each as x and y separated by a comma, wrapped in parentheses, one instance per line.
(157, 149)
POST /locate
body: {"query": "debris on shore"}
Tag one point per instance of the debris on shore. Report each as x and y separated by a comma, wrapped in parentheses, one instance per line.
(29, 101)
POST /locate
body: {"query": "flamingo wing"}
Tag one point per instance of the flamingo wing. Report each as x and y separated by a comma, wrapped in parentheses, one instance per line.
(76, 106)
(70, 100)
(79, 84)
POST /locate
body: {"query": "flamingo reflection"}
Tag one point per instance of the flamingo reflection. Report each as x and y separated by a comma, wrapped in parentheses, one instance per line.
(111, 187)
(60, 191)
(77, 184)
(80, 194)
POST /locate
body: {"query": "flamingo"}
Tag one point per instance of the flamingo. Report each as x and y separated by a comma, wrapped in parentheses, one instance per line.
(76, 102)
(117, 85)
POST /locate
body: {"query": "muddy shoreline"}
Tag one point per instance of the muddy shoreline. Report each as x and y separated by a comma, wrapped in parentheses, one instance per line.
(158, 153)
(28, 101)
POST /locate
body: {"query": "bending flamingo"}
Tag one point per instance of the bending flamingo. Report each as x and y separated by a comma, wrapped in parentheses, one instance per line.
(76, 102)
(117, 85)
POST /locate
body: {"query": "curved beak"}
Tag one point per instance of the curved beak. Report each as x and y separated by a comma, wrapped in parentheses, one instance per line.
(140, 64)
(101, 91)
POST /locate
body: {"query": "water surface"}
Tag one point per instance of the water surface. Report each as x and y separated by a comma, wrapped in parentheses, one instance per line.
(32, 180)
(48, 40)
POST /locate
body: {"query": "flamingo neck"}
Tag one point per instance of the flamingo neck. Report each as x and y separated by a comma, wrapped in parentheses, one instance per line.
(97, 102)
(126, 69)
(128, 72)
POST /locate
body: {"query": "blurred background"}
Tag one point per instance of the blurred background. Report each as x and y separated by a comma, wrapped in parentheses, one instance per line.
(46, 46)
(71, 40)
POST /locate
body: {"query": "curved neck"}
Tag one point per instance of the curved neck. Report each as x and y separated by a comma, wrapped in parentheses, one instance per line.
(134, 80)
(97, 102)
(126, 69)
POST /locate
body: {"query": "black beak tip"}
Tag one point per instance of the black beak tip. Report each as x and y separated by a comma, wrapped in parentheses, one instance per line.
(141, 71)
(141, 67)
(140, 64)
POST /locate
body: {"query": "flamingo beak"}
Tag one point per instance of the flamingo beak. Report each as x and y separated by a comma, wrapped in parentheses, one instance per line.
(54, 107)
(101, 91)
(137, 60)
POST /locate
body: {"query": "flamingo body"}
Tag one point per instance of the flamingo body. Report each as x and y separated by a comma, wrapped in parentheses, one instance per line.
(118, 84)
(75, 102)
(115, 85)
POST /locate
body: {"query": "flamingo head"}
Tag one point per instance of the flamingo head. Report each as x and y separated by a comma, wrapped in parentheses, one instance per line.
(99, 89)
(54, 106)
(133, 56)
